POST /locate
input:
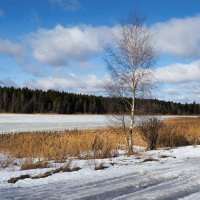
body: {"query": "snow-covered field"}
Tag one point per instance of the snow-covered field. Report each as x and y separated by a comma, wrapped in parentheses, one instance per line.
(174, 175)
(35, 122)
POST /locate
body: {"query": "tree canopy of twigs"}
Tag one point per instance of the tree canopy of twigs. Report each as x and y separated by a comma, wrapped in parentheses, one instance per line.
(128, 61)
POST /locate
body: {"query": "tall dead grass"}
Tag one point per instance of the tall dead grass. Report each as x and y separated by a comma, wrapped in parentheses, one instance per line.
(59, 146)
(180, 132)
(99, 143)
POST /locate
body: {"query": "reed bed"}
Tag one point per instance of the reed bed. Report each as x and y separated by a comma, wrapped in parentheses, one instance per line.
(61, 145)
(98, 143)
(180, 132)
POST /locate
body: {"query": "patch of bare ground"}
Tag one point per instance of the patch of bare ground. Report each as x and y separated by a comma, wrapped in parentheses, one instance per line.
(65, 168)
(149, 160)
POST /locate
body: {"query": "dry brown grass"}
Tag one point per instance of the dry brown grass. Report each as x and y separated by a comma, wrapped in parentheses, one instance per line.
(99, 143)
(59, 146)
(180, 132)
(30, 163)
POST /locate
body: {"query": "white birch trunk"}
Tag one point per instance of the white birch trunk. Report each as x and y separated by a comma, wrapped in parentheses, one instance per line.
(132, 117)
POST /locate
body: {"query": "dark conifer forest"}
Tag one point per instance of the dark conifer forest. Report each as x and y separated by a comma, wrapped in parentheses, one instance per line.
(24, 100)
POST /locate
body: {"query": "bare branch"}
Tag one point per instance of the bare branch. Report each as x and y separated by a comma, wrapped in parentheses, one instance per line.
(129, 61)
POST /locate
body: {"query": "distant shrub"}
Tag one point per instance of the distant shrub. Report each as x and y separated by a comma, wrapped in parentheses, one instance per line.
(150, 130)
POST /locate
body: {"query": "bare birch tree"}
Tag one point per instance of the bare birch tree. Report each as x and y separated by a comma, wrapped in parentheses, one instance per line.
(129, 61)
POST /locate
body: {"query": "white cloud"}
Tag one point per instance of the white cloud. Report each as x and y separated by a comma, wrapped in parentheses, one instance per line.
(12, 49)
(180, 92)
(179, 82)
(76, 45)
(1, 13)
(177, 73)
(67, 5)
(60, 45)
(179, 37)
(88, 84)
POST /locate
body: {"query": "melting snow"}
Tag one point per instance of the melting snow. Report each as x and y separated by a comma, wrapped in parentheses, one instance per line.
(176, 175)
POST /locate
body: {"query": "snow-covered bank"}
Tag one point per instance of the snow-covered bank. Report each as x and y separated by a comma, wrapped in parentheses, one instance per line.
(174, 175)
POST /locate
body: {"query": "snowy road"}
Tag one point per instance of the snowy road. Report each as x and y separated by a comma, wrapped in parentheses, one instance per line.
(171, 178)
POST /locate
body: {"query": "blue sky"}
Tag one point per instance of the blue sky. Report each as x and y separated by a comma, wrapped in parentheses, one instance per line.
(58, 44)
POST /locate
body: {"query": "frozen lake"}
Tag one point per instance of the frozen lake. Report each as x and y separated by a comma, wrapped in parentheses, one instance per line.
(38, 122)
(33, 122)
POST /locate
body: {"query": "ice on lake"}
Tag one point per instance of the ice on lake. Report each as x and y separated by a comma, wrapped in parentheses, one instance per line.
(39, 122)
(33, 122)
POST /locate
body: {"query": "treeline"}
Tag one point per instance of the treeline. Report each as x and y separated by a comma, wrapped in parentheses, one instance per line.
(24, 100)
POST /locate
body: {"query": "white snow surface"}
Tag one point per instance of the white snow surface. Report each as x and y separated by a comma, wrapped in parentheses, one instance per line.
(177, 176)
(40, 122)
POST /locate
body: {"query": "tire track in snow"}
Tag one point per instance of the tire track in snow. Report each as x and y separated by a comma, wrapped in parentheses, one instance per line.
(74, 188)
(137, 177)
(134, 183)
(186, 185)
(162, 183)
(158, 183)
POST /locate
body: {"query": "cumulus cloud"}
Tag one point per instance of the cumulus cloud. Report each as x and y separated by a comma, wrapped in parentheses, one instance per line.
(177, 73)
(179, 37)
(75, 46)
(88, 84)
(180, 92)
(179, 82)
(11, 49)
(60, 45)
(67, 5)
